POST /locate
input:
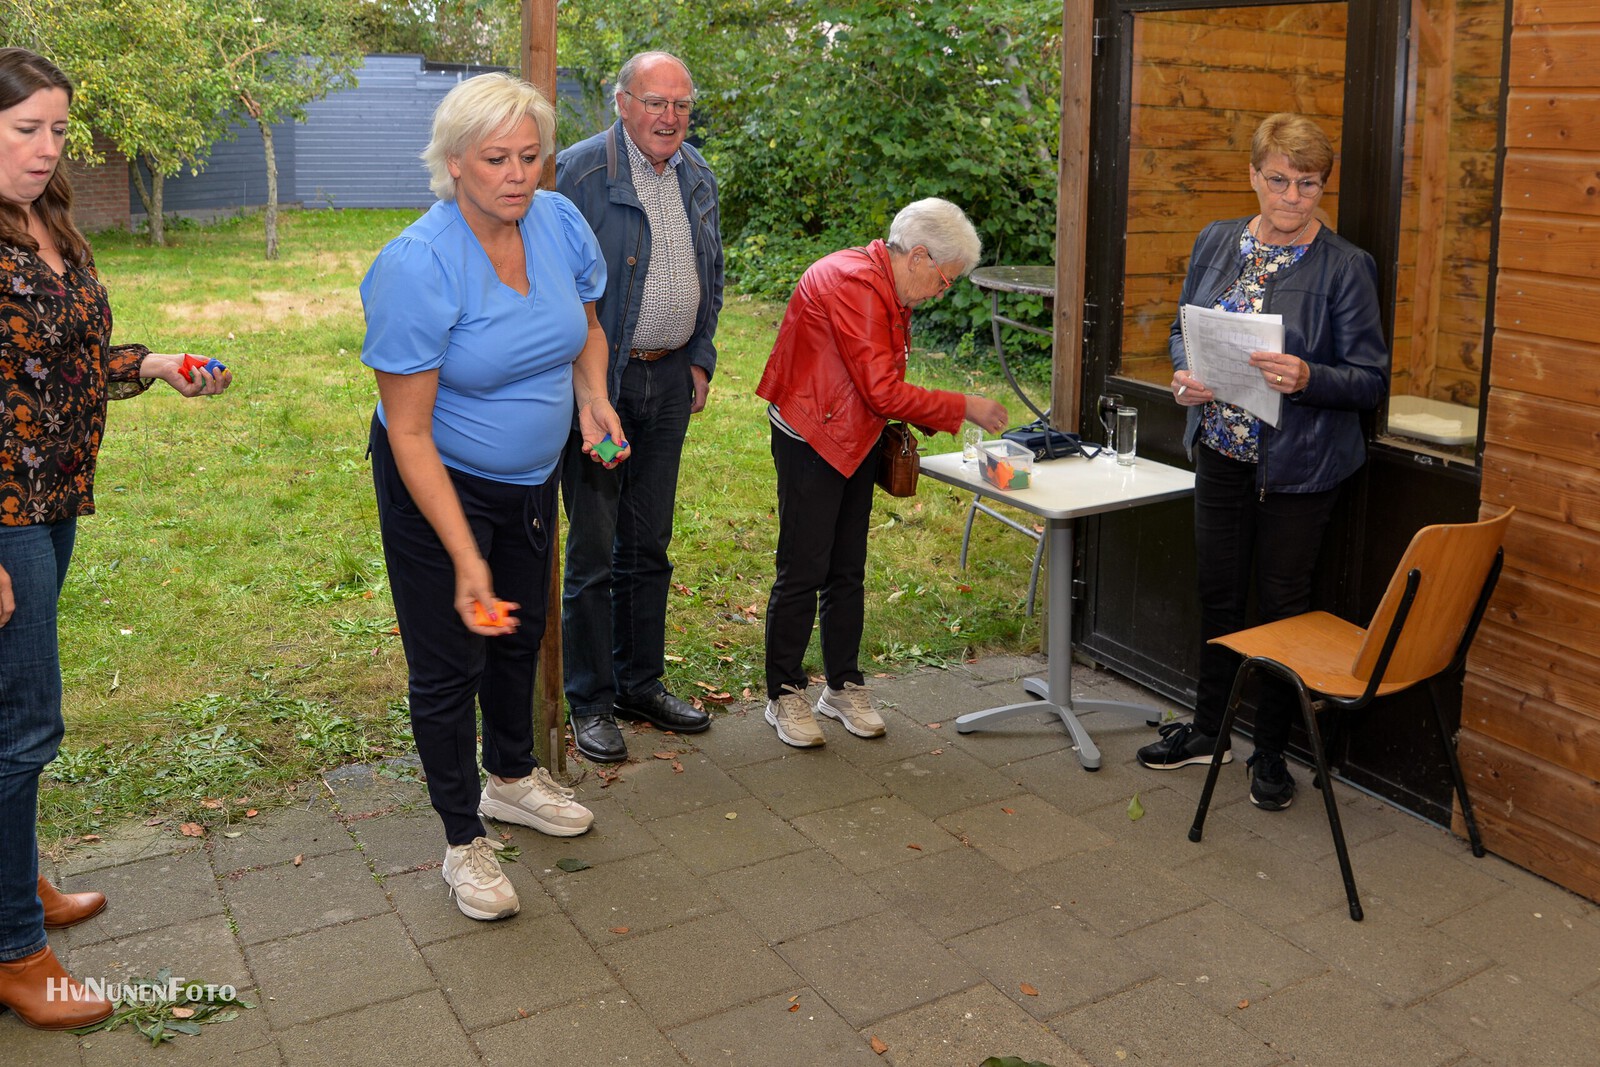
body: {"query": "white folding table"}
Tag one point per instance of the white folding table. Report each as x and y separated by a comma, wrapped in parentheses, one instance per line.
(1060, 491)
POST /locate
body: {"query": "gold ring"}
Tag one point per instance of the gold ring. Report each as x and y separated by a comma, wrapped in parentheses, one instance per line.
(1280, 379)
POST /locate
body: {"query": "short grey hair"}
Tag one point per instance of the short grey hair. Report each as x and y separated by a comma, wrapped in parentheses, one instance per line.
(630, 70)
(940, 227)
(475, 111)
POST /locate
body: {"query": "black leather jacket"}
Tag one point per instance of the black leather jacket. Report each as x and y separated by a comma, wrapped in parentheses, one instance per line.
(1329, 304)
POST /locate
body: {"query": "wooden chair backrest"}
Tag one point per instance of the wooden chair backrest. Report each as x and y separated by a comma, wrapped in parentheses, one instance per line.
(1454, 561)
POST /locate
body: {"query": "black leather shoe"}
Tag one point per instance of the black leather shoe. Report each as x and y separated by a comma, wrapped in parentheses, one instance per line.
(598, 738)
(664, 711)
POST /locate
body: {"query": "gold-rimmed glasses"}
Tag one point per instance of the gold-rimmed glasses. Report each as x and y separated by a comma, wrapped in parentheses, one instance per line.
(1308, 187)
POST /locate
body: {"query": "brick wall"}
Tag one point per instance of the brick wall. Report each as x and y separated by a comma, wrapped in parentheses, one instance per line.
(100, 193)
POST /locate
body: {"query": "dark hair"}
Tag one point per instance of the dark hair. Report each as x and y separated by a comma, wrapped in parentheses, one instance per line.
(22, 74)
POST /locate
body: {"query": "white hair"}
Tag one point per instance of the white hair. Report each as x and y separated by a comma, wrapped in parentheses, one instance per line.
(940, 227)
(476, 110)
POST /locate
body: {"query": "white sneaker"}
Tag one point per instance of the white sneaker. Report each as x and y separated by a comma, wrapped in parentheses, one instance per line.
(791, 715)
(852, 706)
(537, 801)
(473, 874)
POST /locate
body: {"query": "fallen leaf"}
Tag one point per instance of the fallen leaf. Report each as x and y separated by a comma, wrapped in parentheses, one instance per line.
(744, 694)
(252, 813)
(670, 658)
(731, 815)
(794, 1007)
(89, 837)
(299, 859)
(963, 587)
(707, 686)
(664, 755)
(154, 820)
(192, 829)
(620, 929)
(677, 767)
(877, 1045)
(720, 698)
(1009, 811)
(183, 1013)
(914, 845)
(1243, 1004)
(570, 865)
(937, 752)
(211, 802)
(231, 834)
(934, 725)
(1028, 990)
(1135, 809)
(794, 998)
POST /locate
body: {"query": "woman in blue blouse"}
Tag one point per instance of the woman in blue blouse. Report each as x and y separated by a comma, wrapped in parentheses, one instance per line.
(481, 330)
(1263, 496)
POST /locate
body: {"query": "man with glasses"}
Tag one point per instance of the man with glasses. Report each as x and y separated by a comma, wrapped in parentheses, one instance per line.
(652, 203)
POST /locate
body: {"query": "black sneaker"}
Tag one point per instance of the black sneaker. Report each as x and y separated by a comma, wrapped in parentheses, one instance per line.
(1180, 745)
(1271, 788)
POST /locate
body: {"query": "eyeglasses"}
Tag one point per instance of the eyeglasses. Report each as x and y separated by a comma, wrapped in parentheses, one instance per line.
(657, 106)
(1279, 184)
(947, 283)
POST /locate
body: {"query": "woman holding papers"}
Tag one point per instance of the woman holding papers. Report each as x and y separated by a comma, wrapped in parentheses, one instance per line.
(1264, 493)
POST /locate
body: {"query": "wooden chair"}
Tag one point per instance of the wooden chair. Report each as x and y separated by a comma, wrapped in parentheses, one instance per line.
(1420, 633)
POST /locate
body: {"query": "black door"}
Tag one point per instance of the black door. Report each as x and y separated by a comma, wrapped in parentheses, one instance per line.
(1409, 99)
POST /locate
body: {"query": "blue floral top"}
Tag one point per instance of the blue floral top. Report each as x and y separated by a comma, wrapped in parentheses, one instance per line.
(1225, 428)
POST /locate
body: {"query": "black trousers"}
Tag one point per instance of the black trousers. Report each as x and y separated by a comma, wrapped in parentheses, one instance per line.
(453, 672)
(1244, 540)
(823, 519)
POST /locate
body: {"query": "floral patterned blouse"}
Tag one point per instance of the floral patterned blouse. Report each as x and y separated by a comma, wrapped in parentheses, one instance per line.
(1225, 428)
(57, 369)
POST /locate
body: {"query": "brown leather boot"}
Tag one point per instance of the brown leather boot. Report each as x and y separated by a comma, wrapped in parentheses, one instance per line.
(39, 990)
(62, 910)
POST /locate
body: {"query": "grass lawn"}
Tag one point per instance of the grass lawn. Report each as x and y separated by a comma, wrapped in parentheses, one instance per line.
(226, 629)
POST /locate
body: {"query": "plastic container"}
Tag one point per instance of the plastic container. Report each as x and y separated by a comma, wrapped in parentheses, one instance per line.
(1007, 465)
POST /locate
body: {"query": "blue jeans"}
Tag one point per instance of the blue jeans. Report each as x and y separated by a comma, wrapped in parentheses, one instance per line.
(1243, 539)
(823, 520)
(619, 524)
(36, 558)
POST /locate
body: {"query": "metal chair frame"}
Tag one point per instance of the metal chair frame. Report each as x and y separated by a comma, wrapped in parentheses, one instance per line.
(1312, 706)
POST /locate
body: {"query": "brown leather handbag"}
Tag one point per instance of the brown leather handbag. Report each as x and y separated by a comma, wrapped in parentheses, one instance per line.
(898, 463)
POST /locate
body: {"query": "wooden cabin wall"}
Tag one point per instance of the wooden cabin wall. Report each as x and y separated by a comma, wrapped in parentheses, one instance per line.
(1202, 81)
(1452, 132)
(1530, 739)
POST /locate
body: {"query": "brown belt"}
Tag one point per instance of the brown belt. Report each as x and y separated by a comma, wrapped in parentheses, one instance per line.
(650, 355)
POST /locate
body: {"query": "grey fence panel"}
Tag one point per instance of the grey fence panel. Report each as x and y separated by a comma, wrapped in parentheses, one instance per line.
(359, 147)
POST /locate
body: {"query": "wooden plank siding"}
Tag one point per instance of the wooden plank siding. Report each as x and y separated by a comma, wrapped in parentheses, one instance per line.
(1189, 145)
(1530, 719)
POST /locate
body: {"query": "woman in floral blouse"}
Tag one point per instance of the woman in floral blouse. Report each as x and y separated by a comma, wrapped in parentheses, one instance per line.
(1263, 495)
(57, 370)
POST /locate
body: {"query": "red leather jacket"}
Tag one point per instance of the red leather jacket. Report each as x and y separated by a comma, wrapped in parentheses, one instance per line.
(837, 372)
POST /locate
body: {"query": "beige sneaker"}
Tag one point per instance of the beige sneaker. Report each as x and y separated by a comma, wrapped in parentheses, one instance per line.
(473, 874)
(537, 801)
(791, 715)
(852, 706)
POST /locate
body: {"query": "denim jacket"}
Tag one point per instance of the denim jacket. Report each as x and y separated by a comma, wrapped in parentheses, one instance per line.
(1329, 303)
(595, 175)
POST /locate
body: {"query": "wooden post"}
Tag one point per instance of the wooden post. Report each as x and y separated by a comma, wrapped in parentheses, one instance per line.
(549, 747)
(1072, 209)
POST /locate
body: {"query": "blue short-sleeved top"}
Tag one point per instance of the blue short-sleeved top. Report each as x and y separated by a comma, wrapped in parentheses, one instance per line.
(433, 302)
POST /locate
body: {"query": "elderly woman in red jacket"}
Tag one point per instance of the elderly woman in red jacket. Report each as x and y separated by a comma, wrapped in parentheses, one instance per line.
(837, 373)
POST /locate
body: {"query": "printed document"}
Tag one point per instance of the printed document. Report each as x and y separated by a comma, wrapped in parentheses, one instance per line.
(1219, 343)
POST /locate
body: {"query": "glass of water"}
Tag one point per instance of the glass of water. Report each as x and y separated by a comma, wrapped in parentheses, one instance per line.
(971, 445)
(1127, 431)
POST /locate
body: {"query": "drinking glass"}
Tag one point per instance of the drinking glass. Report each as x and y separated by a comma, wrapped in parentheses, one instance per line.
(1127, 430)
(971, 445)
(1107, 406)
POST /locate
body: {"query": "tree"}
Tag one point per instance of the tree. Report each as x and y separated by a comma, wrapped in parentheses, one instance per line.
(140, 79)
(275, 57)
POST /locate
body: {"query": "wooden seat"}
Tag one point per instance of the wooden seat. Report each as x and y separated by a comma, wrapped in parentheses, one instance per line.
(1420, 634)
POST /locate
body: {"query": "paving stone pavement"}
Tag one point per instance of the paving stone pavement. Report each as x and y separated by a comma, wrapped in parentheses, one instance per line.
(945, 897)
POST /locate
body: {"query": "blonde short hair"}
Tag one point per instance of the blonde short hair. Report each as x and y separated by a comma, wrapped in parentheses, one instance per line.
(476, 110)
(1295, 136)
